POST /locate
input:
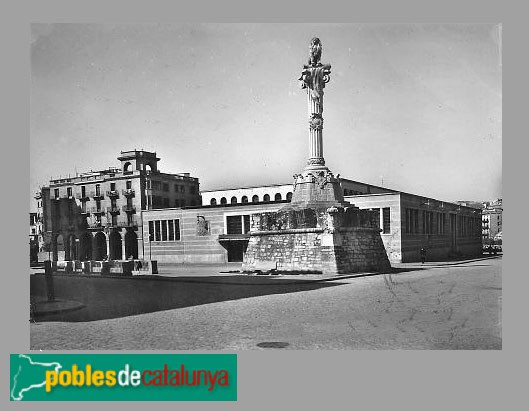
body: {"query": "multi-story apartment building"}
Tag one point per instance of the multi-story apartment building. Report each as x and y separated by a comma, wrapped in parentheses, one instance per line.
(97, 214)
(492, 219)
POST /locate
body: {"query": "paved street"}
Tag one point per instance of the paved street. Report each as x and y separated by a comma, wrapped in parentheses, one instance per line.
(435, 306)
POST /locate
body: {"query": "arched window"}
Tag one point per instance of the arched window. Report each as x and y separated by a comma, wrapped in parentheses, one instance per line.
(278, 197)
(244, 199)
(289, 196)
(255, 199)
(127, 167)
(233, 200)
(213, 201)
(223, 200)
(266, 197)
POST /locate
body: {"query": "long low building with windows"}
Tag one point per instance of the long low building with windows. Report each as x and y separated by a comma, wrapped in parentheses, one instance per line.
(218, 231)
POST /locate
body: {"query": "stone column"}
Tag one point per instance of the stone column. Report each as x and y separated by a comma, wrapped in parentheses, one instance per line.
(313, 78)
(124, 255)
(141, 245)
(107, 239)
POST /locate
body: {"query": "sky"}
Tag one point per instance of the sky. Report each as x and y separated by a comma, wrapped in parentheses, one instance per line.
(416, 108)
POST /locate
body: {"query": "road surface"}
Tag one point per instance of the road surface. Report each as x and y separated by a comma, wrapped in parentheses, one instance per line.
(432, 306)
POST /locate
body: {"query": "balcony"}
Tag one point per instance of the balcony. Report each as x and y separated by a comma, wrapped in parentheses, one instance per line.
(66, 196)
(113, 210)
(129, 208)
(113, 194)
(95, 194)
(98, 225)
(97, 211)
(82, 197)
(130, 223)
(85, 211)
(112, 224)
(129, 192)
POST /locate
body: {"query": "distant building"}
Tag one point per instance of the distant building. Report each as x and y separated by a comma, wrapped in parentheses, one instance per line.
(492, 213)
(33, 238)
(473, 204)
(96, 214)
(33, 226)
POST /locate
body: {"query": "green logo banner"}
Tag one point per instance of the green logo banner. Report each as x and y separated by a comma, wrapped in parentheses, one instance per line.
(123, 377)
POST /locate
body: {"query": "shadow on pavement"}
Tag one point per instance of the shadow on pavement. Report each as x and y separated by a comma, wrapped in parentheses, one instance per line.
(397, 270)
(111, 297)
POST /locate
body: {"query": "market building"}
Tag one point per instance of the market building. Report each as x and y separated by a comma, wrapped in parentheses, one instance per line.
(219, 233)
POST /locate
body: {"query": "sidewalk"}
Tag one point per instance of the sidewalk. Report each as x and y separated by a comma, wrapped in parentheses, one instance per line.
(231, 272)
(445, 263)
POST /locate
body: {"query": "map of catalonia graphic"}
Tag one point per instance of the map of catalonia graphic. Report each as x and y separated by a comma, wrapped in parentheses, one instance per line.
(30, 375)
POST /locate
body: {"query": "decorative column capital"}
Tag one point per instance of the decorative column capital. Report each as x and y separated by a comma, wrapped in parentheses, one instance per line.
(316, 121)
(315, 77)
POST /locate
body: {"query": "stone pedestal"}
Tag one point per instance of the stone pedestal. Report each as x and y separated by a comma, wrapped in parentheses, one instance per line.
(329, 241)
(316, 187)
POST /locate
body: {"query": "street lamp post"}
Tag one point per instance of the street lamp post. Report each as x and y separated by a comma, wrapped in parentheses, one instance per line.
(77, 249)
(150, 237)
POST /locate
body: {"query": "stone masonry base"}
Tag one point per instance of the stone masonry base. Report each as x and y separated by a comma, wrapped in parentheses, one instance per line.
(346, 250)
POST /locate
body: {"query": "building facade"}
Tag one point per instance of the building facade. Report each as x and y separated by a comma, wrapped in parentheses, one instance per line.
(137, 211)
(492, 218)
(278, 192)
(33, 238)
(217, 232)
(96, 215)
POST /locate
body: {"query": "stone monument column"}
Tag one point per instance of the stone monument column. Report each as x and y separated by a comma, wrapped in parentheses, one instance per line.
(317, 232)
(313, 78)
(316, 185)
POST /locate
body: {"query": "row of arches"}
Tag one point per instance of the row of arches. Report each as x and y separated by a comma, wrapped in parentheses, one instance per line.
(99, 246)
(255, 199)
(128, 167)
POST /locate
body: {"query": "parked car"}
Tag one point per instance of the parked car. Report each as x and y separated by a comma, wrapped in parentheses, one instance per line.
(492, 249)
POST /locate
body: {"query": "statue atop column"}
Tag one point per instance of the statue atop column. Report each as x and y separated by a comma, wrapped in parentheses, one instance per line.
(315, 74)
(315, 52)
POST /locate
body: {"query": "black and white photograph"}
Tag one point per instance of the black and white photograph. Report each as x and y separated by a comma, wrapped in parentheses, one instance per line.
(265, 186)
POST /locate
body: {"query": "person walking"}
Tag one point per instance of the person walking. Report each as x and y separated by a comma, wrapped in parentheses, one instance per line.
(423, 255)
